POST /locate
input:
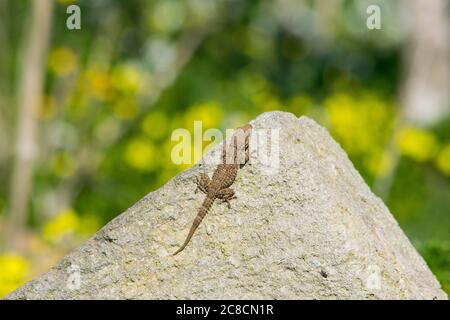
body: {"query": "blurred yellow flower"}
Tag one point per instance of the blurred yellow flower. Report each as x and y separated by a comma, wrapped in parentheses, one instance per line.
(359, 122)
(443, 160)
(210, 113)
(379, 163)
(141, 154)
(13, 272)
(98, 83)
(125, 108)
(155, 125)
(416, 143)
(62, 61)
(126, 78)
(362, 123)
(63, 224)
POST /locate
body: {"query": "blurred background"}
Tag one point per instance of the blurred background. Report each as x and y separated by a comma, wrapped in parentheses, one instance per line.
(86, 115)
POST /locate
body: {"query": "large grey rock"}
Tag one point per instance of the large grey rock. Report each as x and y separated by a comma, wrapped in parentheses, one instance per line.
(313, 230)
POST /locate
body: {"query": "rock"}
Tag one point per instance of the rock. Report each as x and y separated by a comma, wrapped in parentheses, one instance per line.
(311, 230)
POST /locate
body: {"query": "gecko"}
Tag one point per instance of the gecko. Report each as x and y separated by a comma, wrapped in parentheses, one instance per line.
(218, 187)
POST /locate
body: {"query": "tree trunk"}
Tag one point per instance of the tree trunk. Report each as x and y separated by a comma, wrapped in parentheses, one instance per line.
(30, 90)
(425, 94)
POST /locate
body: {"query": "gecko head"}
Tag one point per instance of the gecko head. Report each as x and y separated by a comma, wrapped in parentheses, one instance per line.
(245, 132)
(246, 128)
(242, 142)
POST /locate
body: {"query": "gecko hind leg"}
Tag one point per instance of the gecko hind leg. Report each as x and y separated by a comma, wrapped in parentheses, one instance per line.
(202, 182)
(226, 195)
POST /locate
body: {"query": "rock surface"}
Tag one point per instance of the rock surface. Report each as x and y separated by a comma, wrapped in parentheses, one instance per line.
(312, 230)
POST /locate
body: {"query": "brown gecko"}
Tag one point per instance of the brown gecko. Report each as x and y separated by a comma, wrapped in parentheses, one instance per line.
(223, 177)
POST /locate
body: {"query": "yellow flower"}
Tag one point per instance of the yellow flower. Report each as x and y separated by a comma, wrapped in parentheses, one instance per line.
(155, 125)
(210, 113)
(443, 160)
(379, 163)
(125, 108)
(416, 143)
(141, 154)
(360, 123)
(13, 272)
(126, 78)
(98, 83)
(63, 224)
(68, 223)
(62, 61)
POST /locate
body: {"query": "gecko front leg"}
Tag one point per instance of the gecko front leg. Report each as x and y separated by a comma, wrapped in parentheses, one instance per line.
(226, 195)
(202, 182)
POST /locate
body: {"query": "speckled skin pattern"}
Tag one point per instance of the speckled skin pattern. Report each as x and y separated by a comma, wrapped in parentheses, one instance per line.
(223, 177)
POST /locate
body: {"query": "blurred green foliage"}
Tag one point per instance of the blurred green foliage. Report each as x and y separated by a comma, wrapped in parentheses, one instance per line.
(113, 95)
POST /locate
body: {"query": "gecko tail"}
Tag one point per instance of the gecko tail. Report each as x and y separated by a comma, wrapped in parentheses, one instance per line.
(178, 251)
(191, 233)
(181, 248)
(198, 219)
